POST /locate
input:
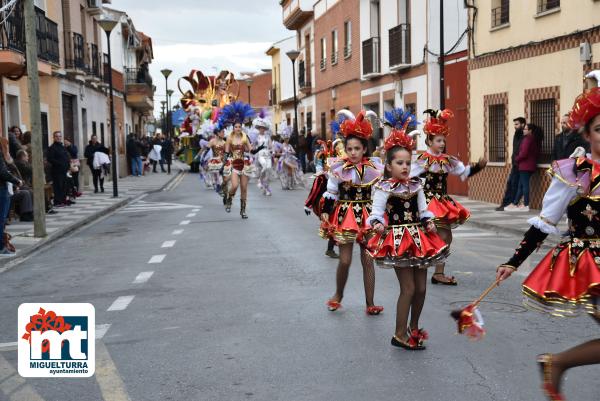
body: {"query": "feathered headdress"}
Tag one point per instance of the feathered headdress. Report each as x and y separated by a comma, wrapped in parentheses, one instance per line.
(207, 128)
(327, 149)
(285, 131)
(358, 126)
(399, 120)
(237, 112)
(437, 124)
(586, 107)
(262, 120)
(335, 125)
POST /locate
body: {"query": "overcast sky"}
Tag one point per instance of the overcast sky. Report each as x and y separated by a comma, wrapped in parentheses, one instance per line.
(206, 35)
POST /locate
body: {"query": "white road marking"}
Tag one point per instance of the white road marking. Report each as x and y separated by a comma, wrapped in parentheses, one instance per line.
(184, 223)
(142, 277)
(101, 330)
(121, 303)
(191, 215)
(195, 210)
(8, 346)
(156, 259)
(177, 232)
(168, 244)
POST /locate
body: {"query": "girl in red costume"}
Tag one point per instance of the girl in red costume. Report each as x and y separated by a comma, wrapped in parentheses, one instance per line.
(347, 205)
(567, 280)
(399, 217)
(434, 165)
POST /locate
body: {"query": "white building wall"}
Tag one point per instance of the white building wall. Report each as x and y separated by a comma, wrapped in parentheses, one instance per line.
(285, 68)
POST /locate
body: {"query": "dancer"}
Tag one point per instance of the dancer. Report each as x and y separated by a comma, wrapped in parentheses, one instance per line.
(399, 216)
(567, 280)
(314, 202)
(237, 165)
(289, 168)
(215, 163)
(435, 165)
(347, 206)
(263, 151)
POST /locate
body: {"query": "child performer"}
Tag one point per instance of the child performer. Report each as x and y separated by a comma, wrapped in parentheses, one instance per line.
(347, 206)
(567, 280)
(435, 165)
(399, 216)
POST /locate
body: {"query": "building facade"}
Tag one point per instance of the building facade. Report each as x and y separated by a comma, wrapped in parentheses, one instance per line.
(535, 73)
(282, 85)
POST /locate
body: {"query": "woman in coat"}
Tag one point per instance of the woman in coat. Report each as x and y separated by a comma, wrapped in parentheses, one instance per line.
(527, 164)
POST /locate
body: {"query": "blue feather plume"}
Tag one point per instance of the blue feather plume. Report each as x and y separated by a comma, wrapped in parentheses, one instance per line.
(237, 112)
(335, 125)
(398, 118)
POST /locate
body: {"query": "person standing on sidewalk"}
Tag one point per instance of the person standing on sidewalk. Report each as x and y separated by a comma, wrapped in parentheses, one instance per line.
(60, 162)
(527, 164)
(74, 167)
(134, 153)
(566, 282)
(166, 152)
(512, 184)
(93, 147)
(6, 179)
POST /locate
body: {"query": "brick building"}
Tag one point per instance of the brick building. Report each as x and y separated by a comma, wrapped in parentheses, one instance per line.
(260, 90)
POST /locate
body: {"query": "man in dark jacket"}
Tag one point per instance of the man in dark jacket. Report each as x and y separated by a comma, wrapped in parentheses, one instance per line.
(93, 147)
(60, 161)
(134, 153)
(166, 152)
(512, 184)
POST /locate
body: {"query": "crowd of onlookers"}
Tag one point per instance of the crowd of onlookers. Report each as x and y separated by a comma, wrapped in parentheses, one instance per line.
(146, 153)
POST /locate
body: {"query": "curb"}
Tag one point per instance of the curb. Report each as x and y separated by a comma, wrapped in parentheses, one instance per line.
(550, 242)
(67, 230)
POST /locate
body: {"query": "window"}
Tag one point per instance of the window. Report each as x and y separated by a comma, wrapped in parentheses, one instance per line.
(324, 126)
(374, 20)
(412, 108)
(500, 12)
(334, 47)
(347, 39)
(547, 5)
(543, 114)
(496, 121)
(102, 133)
(309, 121)
(323, 53)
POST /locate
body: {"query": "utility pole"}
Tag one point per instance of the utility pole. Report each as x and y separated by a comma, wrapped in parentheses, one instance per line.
(442, 61)
(35, 116)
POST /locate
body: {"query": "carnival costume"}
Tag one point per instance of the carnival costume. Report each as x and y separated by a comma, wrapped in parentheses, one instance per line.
(401, 207)
(263, 148)
(435, 168)
(348, 196)
(289, 168)
(237, 159)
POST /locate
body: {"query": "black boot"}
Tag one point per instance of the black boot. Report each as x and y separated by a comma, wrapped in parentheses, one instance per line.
(243, 209)
(228, 203)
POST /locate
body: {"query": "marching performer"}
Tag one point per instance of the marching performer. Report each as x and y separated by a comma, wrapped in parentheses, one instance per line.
(434, 165)
(215, 163)
(347, 206)
(289, 168)
(237, 164)
(406, 239)
(263, 150)
(567, 280)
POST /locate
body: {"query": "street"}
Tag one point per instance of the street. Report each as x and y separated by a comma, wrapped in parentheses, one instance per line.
(193, 303)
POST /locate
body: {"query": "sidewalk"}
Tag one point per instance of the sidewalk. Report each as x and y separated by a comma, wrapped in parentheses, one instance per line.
(88, 208)
(484, 216)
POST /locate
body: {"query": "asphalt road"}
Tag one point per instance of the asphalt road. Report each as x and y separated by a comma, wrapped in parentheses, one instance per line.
(235, 310)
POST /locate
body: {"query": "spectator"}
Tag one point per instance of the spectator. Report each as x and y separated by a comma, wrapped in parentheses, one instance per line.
(134, 153)
(26, 143)
(167, 152)
(512, 184)
(527, 164)
(60, 162)
(155, 153)
(93, 147)
(24, 167)
(73, 168)
(14, 140)
(6, 178)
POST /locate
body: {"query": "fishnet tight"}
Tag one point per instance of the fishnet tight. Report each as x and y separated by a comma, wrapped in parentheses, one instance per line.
(344, 267)
(413, 287)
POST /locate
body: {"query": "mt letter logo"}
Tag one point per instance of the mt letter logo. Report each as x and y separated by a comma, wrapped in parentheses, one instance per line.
(56, 340)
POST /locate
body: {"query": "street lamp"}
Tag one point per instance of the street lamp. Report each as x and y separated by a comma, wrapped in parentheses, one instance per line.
(169, 105)
(108, 24)
(164, 116)
(166, 72)
(249, 82)
(293, 55)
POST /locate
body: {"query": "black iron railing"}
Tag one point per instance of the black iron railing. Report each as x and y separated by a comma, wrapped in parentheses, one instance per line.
(496, 121)
(400, 45)
(371, 57)
(547, 5)
(301, 74)
(94, 60)
(500, 14)
(139, 75)
(105, 68)
(75, 51)
(543, 114)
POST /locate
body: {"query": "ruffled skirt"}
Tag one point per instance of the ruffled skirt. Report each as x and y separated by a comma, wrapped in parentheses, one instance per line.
(567, 280)
(348, 222)
(407, 246)
(447, 211)
(240, 167)
(214, 164)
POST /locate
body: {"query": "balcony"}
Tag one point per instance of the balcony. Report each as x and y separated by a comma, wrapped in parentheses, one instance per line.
(371, 58)
(296, 13)
(12, 42)
(323, 64)
(334, 58)
(94, 7)
(138, 88)
(400, 47)
(92, 63)
(500, 15)
(74, 53)
(347, 51)
(303, 83)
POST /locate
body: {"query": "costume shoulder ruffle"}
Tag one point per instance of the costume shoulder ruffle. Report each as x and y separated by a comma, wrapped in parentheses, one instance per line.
(394, 187)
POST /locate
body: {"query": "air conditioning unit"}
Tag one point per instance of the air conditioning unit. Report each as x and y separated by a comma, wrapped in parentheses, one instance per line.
(585, 52)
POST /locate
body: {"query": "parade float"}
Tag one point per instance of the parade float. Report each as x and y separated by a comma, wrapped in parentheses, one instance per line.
(201, 102)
